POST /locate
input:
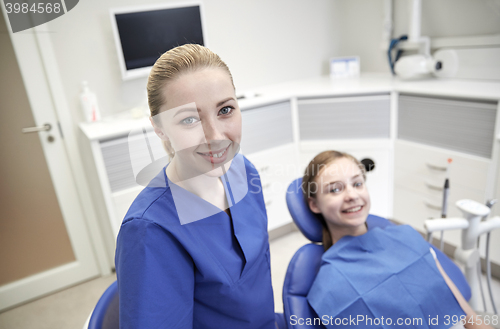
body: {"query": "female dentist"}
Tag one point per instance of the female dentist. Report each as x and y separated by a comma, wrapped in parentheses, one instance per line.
(193, 250)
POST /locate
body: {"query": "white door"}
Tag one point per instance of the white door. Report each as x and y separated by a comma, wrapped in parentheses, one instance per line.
(44, 242)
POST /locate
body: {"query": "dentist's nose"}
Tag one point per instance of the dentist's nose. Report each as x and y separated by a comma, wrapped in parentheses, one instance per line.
(213, 131)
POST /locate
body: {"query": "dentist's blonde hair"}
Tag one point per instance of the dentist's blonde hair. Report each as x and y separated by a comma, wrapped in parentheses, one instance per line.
(173, 64)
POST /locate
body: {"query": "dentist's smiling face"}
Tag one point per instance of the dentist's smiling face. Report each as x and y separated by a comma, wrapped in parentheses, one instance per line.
(342, 197)
(202, 121)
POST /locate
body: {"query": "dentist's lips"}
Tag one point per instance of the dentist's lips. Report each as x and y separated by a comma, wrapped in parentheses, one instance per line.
(215, 157)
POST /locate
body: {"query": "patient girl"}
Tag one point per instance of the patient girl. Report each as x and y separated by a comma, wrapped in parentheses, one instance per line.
(374, 277)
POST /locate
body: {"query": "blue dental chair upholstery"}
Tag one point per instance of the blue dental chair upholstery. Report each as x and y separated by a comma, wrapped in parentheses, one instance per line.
(306, 262)
(105, 314)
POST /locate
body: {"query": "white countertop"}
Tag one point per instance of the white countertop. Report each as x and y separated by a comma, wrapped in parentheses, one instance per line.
(367, 83)
(381, 82)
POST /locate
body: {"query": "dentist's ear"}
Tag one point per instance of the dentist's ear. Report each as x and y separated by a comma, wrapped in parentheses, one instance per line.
(158, 130)
(165, 140)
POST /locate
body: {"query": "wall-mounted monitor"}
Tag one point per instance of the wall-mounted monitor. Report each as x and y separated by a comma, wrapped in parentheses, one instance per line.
(143, 33)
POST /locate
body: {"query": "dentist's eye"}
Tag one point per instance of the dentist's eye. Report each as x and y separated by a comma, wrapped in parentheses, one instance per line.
(226, 110)
(189, 121)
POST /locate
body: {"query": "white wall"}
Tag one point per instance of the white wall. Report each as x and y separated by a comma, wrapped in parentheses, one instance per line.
(449, 18)
(263, 42)
(361, 23)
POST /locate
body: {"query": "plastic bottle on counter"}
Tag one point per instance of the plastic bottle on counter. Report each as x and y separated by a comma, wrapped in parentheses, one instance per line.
(89, 105)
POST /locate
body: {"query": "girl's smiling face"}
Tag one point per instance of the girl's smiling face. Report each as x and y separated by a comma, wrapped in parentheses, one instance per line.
(202, 121)
(341, 198)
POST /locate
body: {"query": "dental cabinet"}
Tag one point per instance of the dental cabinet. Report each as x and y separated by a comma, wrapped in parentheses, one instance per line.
(432, 130)
(409, 129)
(268, 142)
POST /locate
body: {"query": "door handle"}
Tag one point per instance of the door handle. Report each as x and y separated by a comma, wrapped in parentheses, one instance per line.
(45, 127)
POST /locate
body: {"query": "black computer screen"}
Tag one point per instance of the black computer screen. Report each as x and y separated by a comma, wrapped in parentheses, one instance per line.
(146, 35)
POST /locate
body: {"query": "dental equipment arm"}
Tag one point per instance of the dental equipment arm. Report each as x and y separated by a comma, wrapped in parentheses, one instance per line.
(489, 225)
(489, 204)
(474, 212)
(445, 224)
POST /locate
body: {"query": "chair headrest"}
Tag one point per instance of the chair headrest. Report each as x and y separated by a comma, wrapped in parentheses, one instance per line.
(304, 218)
(307, 221)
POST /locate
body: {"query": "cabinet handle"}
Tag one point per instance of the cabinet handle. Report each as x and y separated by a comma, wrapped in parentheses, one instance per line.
(436, 167)
(431, 206)
(266, 186)
(268, 203)
(433, 186)
(265, 168)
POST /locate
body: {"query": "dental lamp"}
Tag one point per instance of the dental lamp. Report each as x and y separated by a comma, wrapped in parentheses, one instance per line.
(443, 64)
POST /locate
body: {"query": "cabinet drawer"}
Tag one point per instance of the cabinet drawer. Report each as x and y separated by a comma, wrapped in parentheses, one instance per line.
(413, 208)
(277, 211)
(462, 125)
(430, 164)
(277, 168)
(125, 156)
(344, 117)
(266, 127)
(431, 187)
(276, 162)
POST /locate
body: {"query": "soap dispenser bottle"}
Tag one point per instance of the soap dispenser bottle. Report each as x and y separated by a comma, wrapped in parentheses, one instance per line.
(89, 104)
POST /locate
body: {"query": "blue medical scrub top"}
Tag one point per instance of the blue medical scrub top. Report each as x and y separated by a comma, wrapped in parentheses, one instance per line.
(203, 273)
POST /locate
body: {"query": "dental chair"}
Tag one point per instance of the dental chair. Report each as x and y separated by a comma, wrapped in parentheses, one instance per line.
(306, 262)
(105, 314)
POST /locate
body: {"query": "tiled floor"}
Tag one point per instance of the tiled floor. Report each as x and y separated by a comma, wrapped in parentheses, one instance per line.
(282, 251)
(66, 309)
(71, 307)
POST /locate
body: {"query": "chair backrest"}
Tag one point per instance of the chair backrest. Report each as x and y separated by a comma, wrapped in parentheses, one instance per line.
(106, 311)
(306, 262)
(105, 314)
